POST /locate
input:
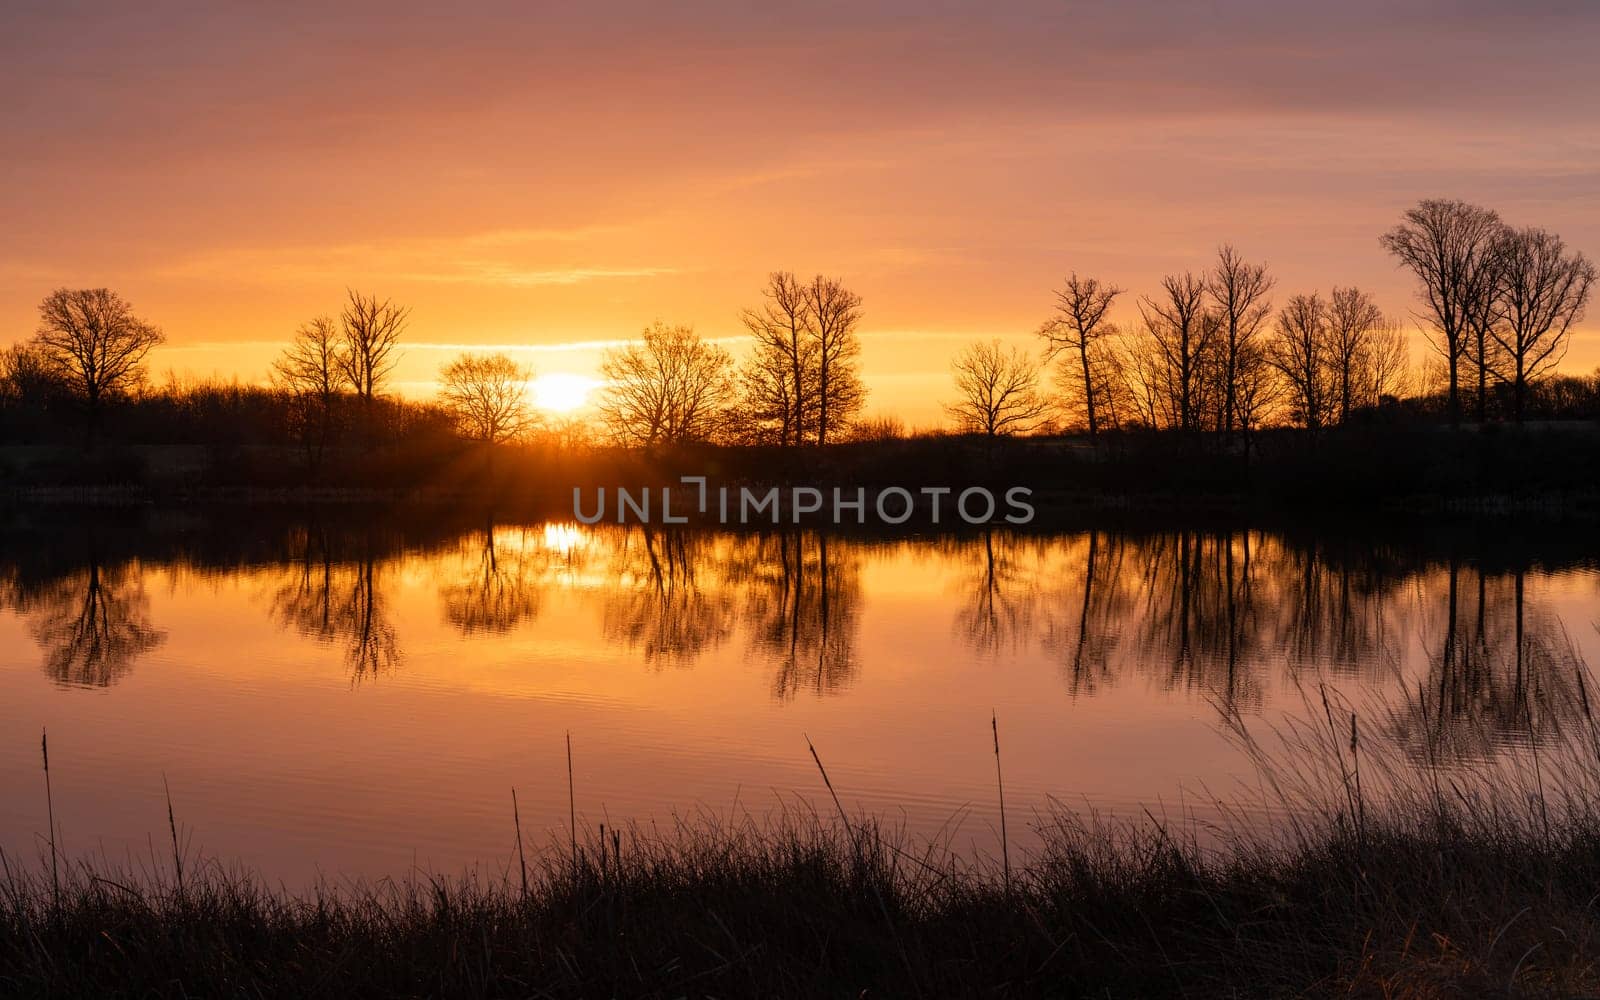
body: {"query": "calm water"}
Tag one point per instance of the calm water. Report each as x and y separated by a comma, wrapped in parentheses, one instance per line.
(361, 696)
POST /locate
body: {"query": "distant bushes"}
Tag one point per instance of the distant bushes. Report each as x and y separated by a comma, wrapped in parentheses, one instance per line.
(185, 437)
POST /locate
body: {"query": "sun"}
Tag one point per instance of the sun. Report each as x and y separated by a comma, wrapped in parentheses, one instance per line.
(561, 393)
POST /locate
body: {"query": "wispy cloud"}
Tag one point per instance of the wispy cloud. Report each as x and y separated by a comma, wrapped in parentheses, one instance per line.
(481, 274)
(516, 258)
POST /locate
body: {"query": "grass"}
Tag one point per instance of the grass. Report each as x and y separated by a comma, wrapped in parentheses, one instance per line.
(1395, 869)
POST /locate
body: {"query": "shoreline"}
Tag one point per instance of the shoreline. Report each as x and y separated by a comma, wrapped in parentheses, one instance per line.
(1050, 506)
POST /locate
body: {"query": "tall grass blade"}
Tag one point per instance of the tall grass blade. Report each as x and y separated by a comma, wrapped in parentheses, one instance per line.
(1005, 847)
(50, 817)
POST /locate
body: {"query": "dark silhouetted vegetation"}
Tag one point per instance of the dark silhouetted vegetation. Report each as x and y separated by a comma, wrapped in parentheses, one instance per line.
(1214, 395)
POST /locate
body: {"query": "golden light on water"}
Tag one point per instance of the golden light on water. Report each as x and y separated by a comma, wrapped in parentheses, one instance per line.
(564, 537)
(562, 393)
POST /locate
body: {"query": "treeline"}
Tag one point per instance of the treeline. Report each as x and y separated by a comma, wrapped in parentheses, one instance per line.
(1211, 353)
(1209, 363)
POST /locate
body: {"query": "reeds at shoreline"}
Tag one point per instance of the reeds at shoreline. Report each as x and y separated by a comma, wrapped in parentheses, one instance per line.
(1394, 870)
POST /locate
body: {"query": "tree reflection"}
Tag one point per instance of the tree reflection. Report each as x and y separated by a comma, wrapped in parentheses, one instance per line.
(1221, 612)
(666, 601)
(305, 600)
(371, 646)
(339, 602)
(1335, 611)
(1000, 591)
(1498, 672)
(802, 604)
(92, 624)
(498, 587)
(1196, 614)
(1082, 630)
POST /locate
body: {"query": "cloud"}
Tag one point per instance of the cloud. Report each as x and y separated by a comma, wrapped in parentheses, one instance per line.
(489, 274)
(460, 260)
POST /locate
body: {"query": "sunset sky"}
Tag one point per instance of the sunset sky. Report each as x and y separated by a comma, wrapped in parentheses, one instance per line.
(554, 177)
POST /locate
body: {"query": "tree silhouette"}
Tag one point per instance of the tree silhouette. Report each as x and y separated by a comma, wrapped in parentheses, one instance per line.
(780, 379)
(834, 312)
(1076, 330)
(93, 341)
(487, 396)
(1354, 325)
(1300, 351)
(371, 331)
(1542, 291)
(999, 391)
(800, 383)
(309, 370)
(1238, 293)
(670, 388)
(1171, 357)
(1449, 246)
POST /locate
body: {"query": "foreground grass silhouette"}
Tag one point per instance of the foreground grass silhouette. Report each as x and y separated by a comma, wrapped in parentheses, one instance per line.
(1391, 873)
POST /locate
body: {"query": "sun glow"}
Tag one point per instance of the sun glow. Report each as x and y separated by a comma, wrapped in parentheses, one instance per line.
(561, 393)
(564, 538)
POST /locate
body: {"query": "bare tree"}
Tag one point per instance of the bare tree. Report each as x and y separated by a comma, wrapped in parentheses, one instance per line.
(670, 388)
(1483, 311)
(94, 343)
(1543, 290)
(999, 390)
(1448, 245)
(1179, 337)
(1076, 329)
(1354, 319)
(834, 312)
(1299, 350)
(371, 334)
(780, 379)
(1143, 378)
(1238, 293)
(487, 395)
(766, 411)
(1257, 389)
(311, 363)
(801, 383)
(309, 369)
(1385, 366)
(27, 375)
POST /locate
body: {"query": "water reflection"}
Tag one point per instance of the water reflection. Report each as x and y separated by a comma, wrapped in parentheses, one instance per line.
(801, 598)
(1219, 612)
(667, 601)
(998, 584)
(91, 624)
(495, 581)
(1499, 672)
(339, 602)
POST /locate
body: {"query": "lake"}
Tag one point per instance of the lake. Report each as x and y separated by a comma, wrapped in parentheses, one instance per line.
(354, 694)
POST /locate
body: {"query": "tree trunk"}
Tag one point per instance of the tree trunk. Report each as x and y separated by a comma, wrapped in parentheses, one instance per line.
(1483, 394)
(1453, 404)
(1088, 388)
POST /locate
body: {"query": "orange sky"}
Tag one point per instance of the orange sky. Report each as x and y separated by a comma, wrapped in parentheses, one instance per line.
(528, 175)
